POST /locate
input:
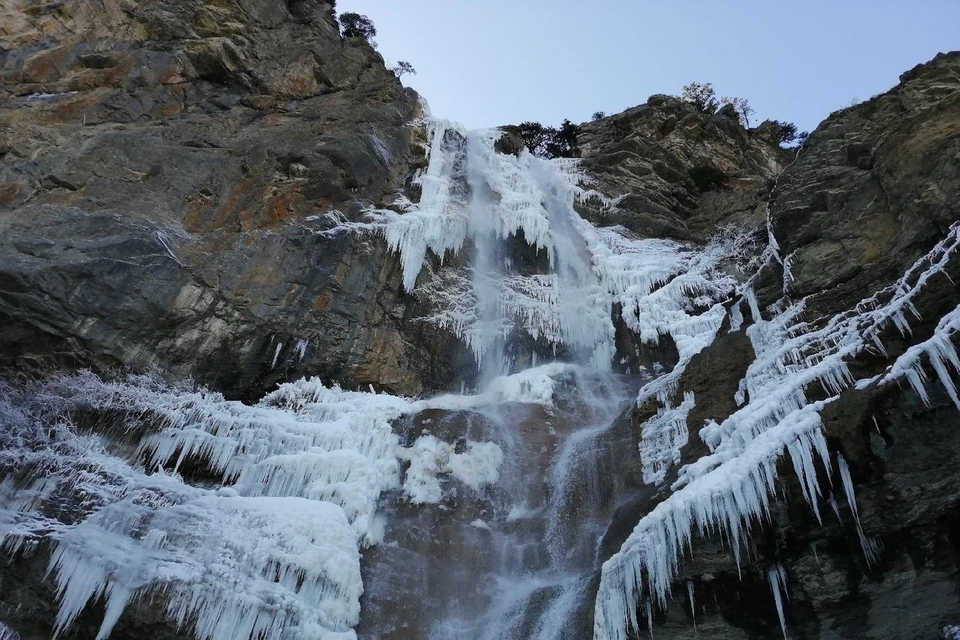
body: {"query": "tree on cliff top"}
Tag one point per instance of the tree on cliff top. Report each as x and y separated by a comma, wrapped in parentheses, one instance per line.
(702, 96)
(550, 142)
(355, 25)
(704, 99)
(403, 67)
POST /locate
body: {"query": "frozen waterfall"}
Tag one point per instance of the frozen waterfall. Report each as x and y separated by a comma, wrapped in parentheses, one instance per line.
(321, 513)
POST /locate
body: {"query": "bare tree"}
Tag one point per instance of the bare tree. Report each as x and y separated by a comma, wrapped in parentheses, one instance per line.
(403, 67)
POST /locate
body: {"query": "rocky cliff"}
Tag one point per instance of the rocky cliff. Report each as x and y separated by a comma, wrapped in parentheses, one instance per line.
(173, 174)
(185, 187)
(168, 172)
(871, 192)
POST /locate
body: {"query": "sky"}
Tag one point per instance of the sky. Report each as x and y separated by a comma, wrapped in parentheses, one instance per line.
(486, 63)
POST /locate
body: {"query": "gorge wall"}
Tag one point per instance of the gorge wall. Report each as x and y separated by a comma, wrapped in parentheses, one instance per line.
(187, 187)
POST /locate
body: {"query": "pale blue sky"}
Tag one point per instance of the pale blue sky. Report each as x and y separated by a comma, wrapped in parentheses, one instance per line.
(491, 62)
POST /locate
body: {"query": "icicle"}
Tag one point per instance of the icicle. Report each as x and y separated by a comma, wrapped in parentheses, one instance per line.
(649, 609)
(693, 606)
(276, 354)
(730, 488)
(777, 577)
(662, 438)
(6, 633)
(591, 269)
(870, 551)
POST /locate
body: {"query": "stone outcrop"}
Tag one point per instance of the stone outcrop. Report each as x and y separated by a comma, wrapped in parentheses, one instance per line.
(167, 173)
(173, 175)
(649, 156)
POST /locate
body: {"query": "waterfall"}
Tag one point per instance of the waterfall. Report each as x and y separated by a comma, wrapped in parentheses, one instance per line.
(321, 512)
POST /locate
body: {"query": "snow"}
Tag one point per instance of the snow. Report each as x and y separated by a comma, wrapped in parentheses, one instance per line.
(266, 543)
(429, 457)
(231, 567)
(950, 632)
(664, 435)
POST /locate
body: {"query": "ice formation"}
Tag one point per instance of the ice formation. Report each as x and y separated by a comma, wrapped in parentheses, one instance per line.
(869, 547)
(266, 543)
(272, 550)
(730, 489)
(664, 435)
(476, 466)
(6, 633)
(777, 577)
(473, 194)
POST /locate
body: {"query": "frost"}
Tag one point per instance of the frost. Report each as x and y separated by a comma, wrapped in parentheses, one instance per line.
(940, 351)
(231, 567)
(429, 457)
(664, 435)
(474, 196)
(273, 552)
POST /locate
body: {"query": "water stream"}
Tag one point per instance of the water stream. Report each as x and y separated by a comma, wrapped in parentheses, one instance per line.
(516, 560)
(461, 516)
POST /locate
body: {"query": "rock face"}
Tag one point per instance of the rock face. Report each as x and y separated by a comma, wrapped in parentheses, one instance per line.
(872, 190)
(649, 157)
(168, 171)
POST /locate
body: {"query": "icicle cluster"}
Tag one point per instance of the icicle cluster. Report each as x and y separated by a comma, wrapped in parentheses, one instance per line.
(275, 550)
(666, 435)
(729, 489)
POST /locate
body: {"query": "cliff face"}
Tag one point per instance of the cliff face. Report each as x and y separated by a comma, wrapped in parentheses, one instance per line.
(167, 172)
(871, 192)
(177, 179)
(648, 156)
(172, 174)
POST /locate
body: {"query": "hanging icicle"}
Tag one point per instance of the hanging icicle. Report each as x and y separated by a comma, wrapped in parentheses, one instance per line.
(777, 577)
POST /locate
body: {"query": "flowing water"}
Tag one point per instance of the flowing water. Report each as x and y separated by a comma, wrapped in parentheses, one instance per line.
(515, 561)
